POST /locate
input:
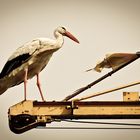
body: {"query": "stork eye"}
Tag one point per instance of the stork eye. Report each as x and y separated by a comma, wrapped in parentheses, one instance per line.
(63, 28)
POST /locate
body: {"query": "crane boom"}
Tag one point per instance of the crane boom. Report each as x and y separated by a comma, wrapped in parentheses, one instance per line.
(30, 114)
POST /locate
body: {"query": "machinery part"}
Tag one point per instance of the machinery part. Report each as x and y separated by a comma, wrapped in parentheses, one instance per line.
(27, 115)
(112, 90)
(80, 90)
(21, 123)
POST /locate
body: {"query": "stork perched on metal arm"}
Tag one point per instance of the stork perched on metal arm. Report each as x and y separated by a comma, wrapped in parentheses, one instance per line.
(30, 59)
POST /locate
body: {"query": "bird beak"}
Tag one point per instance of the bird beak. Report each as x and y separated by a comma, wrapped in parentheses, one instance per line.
(69, 35)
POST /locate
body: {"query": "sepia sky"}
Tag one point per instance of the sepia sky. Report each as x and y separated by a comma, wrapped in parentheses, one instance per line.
(101, 26)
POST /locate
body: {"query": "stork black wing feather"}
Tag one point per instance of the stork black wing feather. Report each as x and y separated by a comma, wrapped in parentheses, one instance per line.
(13, 64)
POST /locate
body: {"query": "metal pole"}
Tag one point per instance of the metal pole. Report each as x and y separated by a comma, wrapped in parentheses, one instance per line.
(100, 79)
(108, 91)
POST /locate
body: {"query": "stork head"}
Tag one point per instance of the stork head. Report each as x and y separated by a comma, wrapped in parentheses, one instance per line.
(64, 32)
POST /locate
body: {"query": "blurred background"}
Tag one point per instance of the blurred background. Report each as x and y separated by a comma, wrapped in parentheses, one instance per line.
(101, 26)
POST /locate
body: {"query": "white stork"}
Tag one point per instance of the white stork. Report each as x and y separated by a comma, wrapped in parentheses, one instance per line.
(30, 59)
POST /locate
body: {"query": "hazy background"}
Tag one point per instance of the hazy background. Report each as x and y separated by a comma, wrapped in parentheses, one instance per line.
(102, 26)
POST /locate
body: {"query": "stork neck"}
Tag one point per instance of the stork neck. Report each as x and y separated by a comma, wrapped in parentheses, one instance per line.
(59, 38)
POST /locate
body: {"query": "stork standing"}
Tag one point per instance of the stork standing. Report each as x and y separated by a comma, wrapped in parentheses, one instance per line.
(30, 59)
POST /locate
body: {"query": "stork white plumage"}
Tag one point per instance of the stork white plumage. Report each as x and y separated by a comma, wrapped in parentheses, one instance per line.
(30, 59)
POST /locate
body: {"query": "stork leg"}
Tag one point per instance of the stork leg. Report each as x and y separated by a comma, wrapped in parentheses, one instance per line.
(25, 84)
(39, 87)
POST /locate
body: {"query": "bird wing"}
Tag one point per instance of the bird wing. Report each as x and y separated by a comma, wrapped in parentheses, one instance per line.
(13, 64)
(24, 53)
(20, 56)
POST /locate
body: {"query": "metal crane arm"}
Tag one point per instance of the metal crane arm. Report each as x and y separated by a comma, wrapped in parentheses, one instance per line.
(28, 114)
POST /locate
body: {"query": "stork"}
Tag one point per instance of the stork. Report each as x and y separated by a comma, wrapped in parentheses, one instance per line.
(30, 59)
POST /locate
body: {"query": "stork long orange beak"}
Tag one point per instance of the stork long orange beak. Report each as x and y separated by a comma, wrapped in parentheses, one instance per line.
(69, 35)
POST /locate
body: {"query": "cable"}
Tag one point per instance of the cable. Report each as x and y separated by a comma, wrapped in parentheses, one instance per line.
(87, 122)
(108, 123)
(64, 128)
